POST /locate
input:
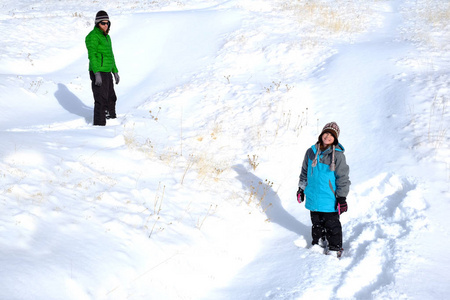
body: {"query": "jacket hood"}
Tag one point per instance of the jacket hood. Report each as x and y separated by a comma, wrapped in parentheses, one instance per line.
(338, 147)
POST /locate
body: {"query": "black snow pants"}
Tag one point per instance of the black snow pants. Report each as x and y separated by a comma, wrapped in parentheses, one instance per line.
(104, 98)
(327, 225)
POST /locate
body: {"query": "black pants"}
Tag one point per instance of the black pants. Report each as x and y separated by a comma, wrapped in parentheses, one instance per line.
(104, 98)
(327, 225)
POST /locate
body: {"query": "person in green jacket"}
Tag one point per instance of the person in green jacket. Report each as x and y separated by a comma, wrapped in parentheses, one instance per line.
(101, 65)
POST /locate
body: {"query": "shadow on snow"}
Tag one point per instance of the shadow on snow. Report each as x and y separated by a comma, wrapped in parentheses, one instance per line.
(270, 202)
(72, 103)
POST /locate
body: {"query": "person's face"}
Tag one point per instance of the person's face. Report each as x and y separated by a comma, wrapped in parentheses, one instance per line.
(104, 25)
(327, 139)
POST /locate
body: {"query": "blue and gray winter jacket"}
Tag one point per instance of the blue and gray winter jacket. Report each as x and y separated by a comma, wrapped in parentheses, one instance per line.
(322, 185)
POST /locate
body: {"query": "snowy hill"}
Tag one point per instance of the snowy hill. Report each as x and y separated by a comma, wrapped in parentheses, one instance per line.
(190, 192)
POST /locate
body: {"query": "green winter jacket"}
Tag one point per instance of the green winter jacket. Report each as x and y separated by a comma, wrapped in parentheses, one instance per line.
(100, 53)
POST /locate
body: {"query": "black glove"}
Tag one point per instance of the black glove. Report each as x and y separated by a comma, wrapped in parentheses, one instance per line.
(116, 77)
(98, 79)
(300, 195)
(342, 204)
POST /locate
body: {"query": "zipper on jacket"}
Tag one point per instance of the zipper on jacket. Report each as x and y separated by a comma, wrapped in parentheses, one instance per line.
(102, 60)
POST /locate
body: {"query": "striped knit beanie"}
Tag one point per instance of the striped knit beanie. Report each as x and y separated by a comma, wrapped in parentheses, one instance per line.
(101, 16)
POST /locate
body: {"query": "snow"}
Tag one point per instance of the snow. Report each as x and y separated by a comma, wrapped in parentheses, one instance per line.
(190, 192)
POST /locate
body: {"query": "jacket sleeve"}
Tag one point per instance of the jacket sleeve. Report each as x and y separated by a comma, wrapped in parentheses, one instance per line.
(114, 67)
(92, 46)
(304, 173)
(342, 176)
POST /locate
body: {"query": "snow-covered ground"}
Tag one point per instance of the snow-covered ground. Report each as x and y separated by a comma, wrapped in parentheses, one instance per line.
(190, 193)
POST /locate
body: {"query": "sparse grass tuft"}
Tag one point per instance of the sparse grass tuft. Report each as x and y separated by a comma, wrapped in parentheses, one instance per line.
(437, 124)
(253, 161)
(133, 142)
(212, 209)
(259, 192)
(155, 116)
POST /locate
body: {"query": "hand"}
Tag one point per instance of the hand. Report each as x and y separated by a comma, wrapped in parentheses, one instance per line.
(342, 204)
(98, 79)
(300, 195)
(116, 77)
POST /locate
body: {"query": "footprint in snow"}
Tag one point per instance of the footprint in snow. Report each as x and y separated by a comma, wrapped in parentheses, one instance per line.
(386, 211)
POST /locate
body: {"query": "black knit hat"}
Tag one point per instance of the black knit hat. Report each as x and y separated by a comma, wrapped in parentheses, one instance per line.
(101, 16)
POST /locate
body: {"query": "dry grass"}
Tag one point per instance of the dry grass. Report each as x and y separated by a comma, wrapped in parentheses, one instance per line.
(258, 193)
(437, 124)
(253, 161)
(429, 23)
(139, 144)
(208, 167)
(436, 13)
(329, 19)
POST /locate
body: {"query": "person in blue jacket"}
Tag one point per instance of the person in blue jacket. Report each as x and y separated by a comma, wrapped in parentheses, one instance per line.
(324, 182)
